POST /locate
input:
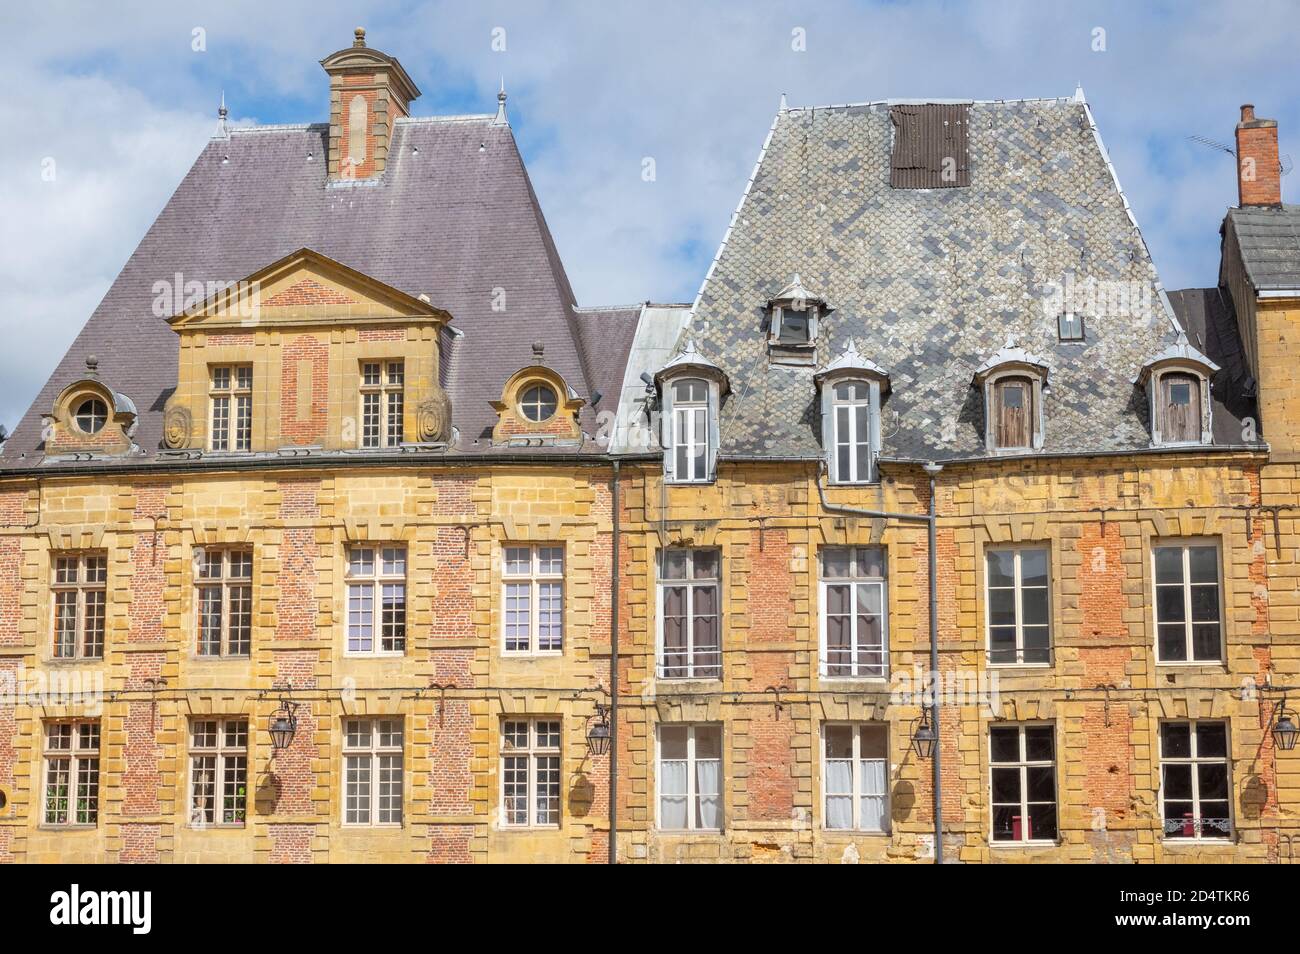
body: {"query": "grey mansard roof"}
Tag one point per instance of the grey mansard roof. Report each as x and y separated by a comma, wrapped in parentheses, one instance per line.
(453, 216)
(932, 283)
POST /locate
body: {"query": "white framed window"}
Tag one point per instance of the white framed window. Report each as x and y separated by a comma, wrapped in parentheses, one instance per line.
(1019, 606)
(533, 599)
(530, 773)
(230, 394)
(218, 772)
(224, 601)
(690, 628)
(855, 776)
(1195, 780)
(854, 644)
(1022, 778)
(372, 771)
(1189, 604)
(71, 774)
(376, 582)
(690, 430)
(80, 590)
(851, 413)
(689, 777)
(382, 403)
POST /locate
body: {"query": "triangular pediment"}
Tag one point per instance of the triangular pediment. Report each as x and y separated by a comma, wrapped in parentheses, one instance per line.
(303, 288)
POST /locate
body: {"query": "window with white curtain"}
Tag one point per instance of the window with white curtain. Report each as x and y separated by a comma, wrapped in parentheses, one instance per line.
(218, 771)
(853, 613)
(533, 593)
(851, 407)
(690, 777)
(690, 430)
(855, 776)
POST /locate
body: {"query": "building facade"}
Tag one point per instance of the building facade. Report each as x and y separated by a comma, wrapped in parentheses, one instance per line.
(343, 534)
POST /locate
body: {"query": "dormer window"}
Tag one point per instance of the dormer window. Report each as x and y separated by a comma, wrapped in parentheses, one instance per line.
(538, 403)
(691, 389)
(231, 399)
(1177, 382)
(382, 403)
(690, 430)
(1013, 413)
(851, 389)
(1013, 381)
(91, 416)
(793, 317)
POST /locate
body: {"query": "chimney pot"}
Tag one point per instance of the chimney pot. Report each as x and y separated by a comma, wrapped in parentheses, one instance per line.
(1247, 112)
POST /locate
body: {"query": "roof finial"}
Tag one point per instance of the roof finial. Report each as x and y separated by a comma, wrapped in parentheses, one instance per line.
(539, 349)
(1078, 92)
(223, 129)
(500, 119)
(92, 366)
(359, 36)
(784, 107)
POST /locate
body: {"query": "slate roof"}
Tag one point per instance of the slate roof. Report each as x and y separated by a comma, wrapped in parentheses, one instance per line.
(453, 216)
(1270, 245)
(930, 283)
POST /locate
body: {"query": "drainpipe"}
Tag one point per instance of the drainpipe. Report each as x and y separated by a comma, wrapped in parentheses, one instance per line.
(933, 470)
(613, 675)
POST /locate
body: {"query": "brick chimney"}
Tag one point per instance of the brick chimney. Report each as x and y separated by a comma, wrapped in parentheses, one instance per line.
(369, 91)
(1259, 173)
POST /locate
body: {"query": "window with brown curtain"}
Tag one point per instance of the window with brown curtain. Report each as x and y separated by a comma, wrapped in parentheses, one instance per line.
(1013, 412)
(1180, 403)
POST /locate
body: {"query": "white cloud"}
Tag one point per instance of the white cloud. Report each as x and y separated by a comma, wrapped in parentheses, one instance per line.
(116, 95)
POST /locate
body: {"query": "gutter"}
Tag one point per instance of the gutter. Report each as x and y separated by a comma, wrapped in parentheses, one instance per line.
(933, 470)
(613, 673)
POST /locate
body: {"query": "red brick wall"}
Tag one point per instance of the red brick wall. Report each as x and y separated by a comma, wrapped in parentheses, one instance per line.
(309, 430)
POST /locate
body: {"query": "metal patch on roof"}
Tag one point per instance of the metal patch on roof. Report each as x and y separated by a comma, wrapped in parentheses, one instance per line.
(930, 146)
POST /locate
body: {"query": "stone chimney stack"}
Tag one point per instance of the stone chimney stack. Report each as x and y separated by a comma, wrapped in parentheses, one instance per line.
(1259, 172)
(369, 92)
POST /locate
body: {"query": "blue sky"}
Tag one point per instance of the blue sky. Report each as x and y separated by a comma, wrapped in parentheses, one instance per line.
(117, 101)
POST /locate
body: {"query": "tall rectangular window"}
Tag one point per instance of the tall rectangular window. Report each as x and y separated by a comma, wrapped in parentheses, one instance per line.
(71, 773)
(376, 577)
(80, 590)
(225, 602)
(530, 772)
(230, 393)
(218, 771)
(1019, 628)
(1195, 780)
(372, 771)
(1188, 620)
(533, 582)
(851, 407)
(855, 776)
(853, 613)
(689, 590)
(690, 430)
(382, 408)
(1023, 782)
(690, 777)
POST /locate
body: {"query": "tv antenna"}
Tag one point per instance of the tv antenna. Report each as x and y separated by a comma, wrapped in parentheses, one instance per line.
(1285, 165)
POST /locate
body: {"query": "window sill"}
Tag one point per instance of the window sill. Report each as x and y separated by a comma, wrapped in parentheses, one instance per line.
(365, 655)
(68, 828)
(524, 829)
(73, 660)
(707, 832)
(1228, 842)
(855, 833)
(687, 680)
(1014, 666)
(242, 826)
(519, 654)
(366, 826)
(1218, 664)
(838, 679)
(1017, 845)
(204, 657)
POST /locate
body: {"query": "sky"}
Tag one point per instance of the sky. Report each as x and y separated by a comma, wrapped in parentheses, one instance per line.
(106, 106)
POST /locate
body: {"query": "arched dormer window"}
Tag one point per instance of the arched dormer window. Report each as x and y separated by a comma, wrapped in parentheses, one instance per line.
(1013, 381)
(794, 314)
(89, 417)
(851, 389)
(1177, 382)
(691, 390)
(537, 407)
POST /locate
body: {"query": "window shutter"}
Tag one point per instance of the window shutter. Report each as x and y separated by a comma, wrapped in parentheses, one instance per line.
(828, 429)
(666, 426)
(714, 400)
(873, 430)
